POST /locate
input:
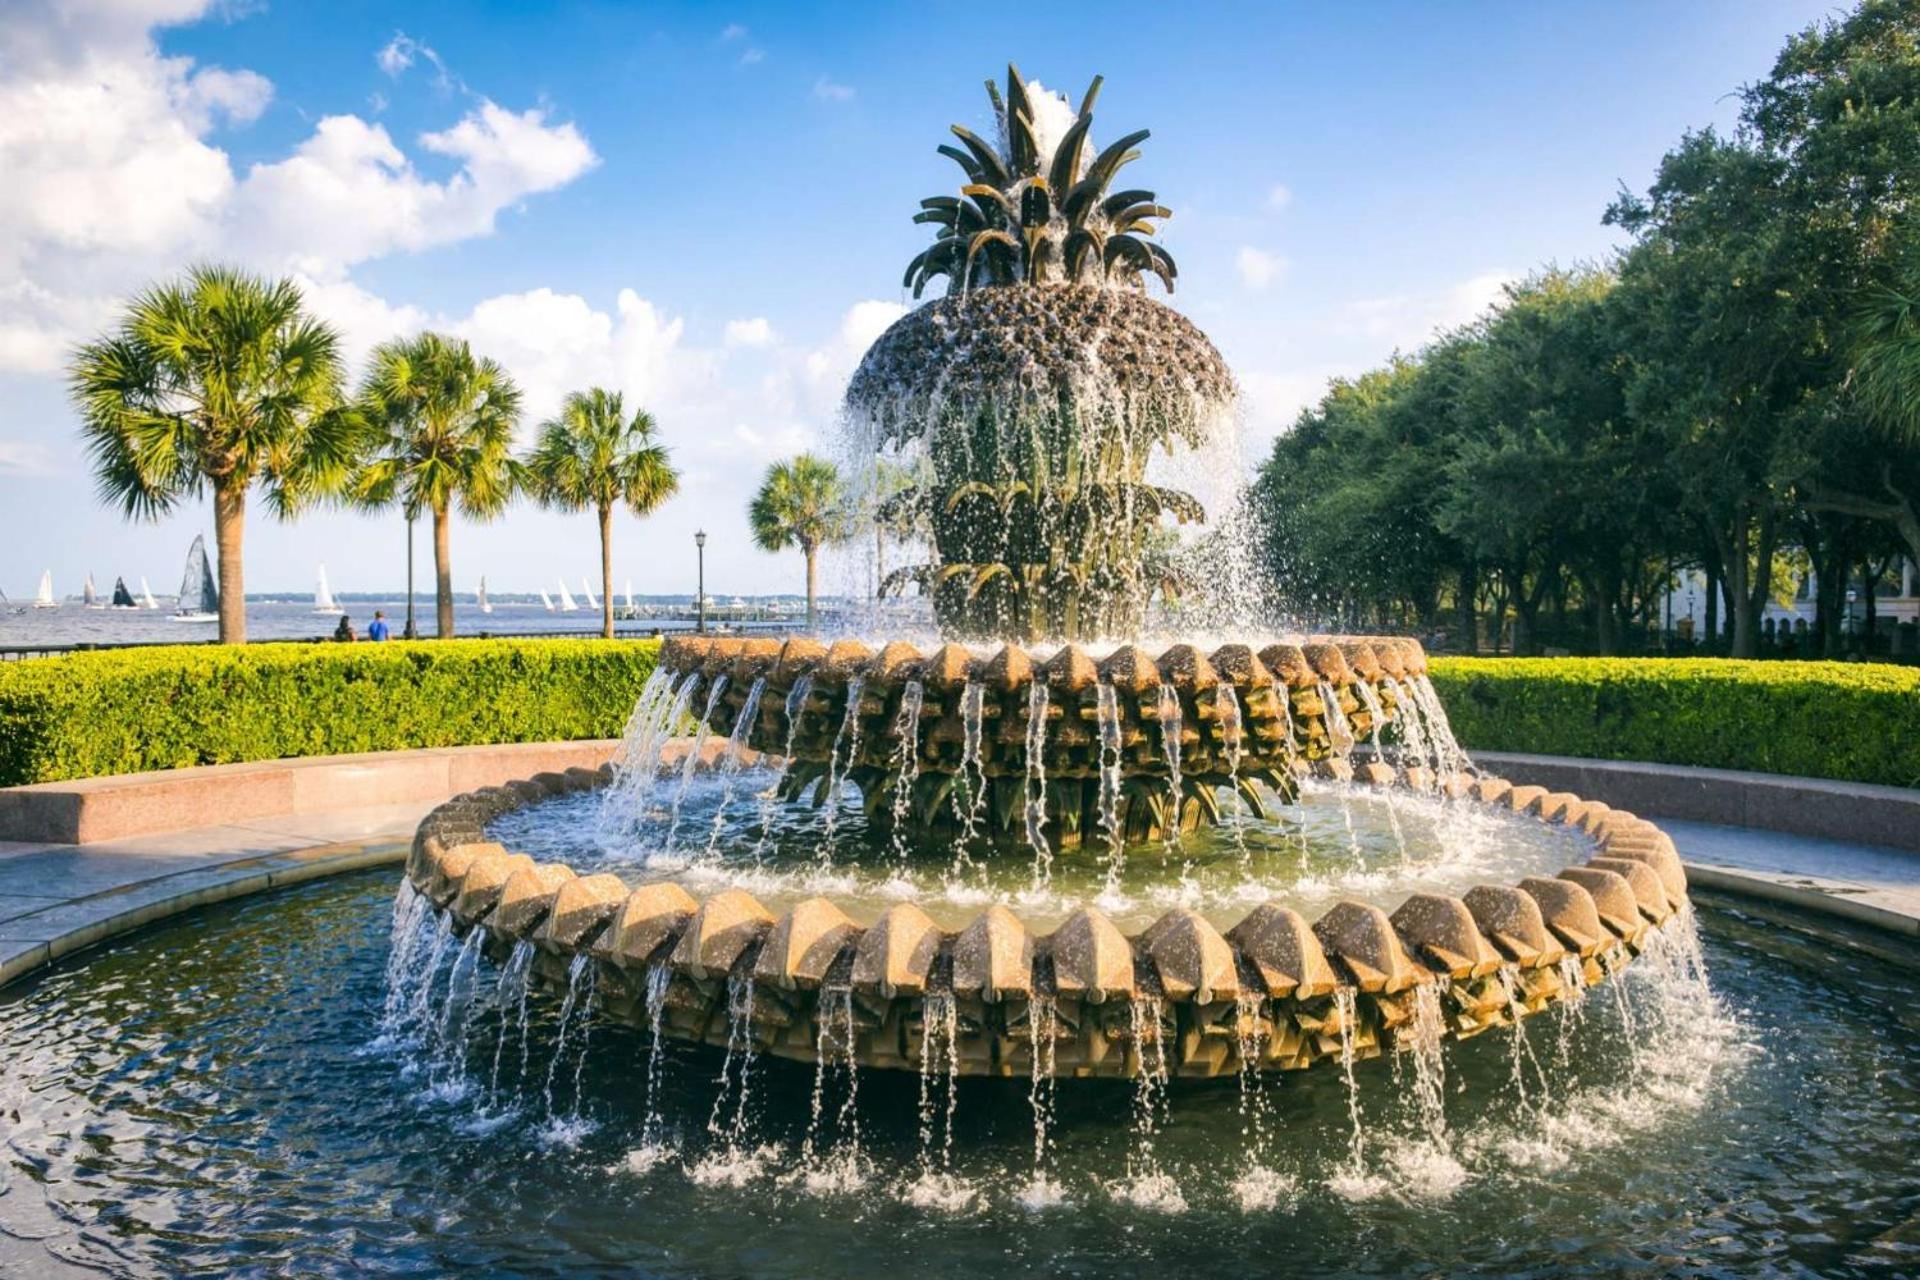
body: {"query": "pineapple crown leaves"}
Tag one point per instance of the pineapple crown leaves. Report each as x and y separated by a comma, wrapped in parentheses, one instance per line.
(1029, 216)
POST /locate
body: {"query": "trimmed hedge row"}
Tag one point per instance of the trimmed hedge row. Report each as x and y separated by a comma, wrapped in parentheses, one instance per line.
(1856, 722)
(129, 710)
(123, 711)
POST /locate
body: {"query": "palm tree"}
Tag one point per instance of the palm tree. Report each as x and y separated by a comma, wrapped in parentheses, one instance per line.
(801, 503)
(593, 455)
(215, 381)
(1886, 370)
(440, 422)
(1886, 378)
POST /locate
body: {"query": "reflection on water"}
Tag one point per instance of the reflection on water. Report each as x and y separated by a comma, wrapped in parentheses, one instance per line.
(216, 1094)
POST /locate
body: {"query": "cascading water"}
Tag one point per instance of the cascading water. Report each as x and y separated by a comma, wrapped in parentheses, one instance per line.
(846, 749)
(906, 762)
(1108, 711)
(796, 706)
(729, 766)
(1171, 729)
(695, 756)
(1043, 1028)
(1036, 784)
(970, 799)
(1147, 1185)
(581, 975)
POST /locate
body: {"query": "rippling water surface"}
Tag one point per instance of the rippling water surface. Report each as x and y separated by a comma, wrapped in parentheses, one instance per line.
(211, 1096)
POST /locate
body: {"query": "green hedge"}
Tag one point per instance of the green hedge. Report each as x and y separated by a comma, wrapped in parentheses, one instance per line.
(1858, 722)
(127, 710)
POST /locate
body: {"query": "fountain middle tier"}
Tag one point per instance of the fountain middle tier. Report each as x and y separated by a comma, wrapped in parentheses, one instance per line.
(1133, 746)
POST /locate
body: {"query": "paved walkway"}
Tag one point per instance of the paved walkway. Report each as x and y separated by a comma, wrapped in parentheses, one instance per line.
(1870, 884)
(57, 898)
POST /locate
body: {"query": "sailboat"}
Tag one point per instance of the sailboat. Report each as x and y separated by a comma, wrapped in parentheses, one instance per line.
(591, 602)
(631, 611)
(546, 599)
(566, 599)
(323, 597)
(89, 598)
(123, 598)
(146, 595)
(199, 597)
(480, 596)
(43, 599)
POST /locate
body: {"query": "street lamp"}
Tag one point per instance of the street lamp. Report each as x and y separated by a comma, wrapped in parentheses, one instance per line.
(700, 598)
(409, 633)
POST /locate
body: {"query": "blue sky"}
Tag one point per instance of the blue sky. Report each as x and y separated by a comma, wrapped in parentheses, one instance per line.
(710, 206)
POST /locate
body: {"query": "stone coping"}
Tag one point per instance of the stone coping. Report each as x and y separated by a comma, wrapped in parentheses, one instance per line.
(1179, 997)
(90, 810)
(38, 939)
(1854, 812)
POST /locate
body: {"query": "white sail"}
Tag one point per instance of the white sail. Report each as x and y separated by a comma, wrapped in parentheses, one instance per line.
(546, 600)
(480, 596)
(88, 596)
(146, 595)
(630, 608)
(323, 597)
(43, 599)
(566, 599)
(587, 587)
(199, 597)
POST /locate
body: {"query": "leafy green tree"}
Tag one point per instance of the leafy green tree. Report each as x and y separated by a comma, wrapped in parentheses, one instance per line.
(801, 503)
(216, 382)
(593, 456)
(1873, 470)
(440, 423)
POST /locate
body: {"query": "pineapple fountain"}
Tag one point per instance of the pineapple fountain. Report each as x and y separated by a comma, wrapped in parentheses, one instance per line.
(1027, 406)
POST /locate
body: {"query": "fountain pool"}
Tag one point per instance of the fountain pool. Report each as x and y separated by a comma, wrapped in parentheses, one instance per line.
(209, 1096)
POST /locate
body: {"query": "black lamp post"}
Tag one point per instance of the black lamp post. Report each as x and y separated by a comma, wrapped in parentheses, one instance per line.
(410, 633)
(700, 599)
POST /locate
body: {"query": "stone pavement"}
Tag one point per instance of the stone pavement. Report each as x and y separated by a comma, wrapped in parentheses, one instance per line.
(57, 898)
(1868, 884)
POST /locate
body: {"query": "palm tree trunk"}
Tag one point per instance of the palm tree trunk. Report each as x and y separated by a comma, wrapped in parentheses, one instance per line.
(606, 571)
(812, 578)
(442, 573)
(229, 530)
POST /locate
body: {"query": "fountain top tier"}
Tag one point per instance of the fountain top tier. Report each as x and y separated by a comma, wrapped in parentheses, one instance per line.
(1026, 405)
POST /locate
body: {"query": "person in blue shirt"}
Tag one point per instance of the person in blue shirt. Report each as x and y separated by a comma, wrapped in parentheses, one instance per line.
(378, 629)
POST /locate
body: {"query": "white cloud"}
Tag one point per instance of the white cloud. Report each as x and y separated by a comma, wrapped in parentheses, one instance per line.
(115, 175)
(755, 332)
(555, 343)
(1279, 196)
(397, 55)
(401, 52)
(731, 32)
(26, 458)
(828, 91)
(1257, 267)
(348, 193)
(752, 56)
(1410, 320)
